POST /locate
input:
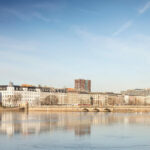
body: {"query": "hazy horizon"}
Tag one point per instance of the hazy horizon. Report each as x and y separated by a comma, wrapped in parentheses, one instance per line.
(53, 42)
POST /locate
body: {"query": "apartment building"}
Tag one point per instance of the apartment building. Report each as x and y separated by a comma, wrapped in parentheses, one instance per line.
(83, 85)
(25, 94)
(137, 92)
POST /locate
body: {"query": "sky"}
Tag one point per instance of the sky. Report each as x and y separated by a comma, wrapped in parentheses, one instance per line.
(53, 42)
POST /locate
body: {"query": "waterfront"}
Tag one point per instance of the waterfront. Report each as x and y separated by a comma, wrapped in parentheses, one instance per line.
(74, 130)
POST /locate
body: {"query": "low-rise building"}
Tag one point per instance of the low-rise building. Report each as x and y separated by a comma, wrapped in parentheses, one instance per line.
(137, 92)
(14, 95)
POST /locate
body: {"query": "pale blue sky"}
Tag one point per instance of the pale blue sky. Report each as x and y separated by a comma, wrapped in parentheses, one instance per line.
(53, 42)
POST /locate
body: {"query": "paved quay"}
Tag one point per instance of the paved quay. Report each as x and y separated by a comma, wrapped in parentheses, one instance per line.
(93, 109)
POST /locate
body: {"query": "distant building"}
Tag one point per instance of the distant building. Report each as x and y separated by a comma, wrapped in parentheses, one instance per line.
(107, 98)
(26, 93)
(71, 90)
(83, 85)
(137, 92)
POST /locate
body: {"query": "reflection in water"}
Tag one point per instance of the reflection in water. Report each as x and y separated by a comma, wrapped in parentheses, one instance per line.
(81, 123)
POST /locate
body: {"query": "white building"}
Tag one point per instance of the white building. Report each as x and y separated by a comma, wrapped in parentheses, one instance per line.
(27, 94)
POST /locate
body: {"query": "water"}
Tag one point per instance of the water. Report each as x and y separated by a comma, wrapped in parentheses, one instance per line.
(74, 131)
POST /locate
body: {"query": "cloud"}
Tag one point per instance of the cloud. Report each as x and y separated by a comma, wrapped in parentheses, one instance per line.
(125, 59)
(25, 14)
(123, 28)
(28, 16)
(41, 17)
(145, 8)
(129, 23)
(16, 13)
(136, 46)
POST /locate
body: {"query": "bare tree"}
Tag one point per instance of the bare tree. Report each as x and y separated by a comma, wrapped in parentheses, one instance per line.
(14, 100)
(36, 101)
(50, 100)
(17, 98)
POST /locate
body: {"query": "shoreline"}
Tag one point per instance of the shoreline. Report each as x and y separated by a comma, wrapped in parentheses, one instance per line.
(93, 109)
(17, 109)
(55, 108)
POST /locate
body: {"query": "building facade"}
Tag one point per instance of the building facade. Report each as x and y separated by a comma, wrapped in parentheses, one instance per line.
(83, 85)
(137, 92)
(14, 95)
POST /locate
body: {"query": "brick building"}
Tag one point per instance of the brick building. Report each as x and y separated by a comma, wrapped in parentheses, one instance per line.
(83, 85)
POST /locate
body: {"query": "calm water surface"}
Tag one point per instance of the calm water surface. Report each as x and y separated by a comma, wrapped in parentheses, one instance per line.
(74, 131)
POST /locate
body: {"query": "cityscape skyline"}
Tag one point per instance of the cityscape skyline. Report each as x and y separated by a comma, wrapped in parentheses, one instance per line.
(53, 42)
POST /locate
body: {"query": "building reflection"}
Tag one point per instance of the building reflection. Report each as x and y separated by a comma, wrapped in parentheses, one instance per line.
(39, 122)
(82, 130)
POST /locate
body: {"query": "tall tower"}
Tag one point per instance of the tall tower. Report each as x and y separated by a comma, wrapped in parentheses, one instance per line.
(83, 85)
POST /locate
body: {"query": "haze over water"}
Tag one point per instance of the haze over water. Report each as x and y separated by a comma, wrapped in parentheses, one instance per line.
(79, 131)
